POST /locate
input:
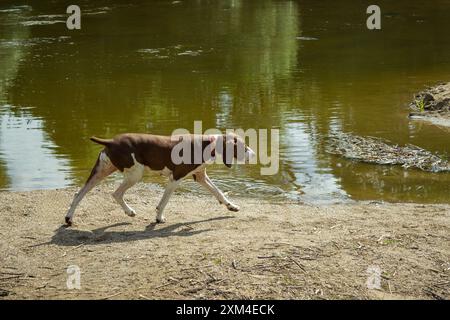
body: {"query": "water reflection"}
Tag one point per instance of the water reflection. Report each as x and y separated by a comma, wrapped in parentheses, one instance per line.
(12, 51)
(305, 67)
(30, 160)
(311, 175)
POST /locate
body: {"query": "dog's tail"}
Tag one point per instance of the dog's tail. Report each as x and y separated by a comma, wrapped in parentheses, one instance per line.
(104, 142)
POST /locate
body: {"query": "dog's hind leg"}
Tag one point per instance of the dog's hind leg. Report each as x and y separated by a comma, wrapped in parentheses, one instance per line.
(102, 168)
(131, 177)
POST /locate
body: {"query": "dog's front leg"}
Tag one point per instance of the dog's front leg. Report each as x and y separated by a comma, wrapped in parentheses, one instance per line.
(173, 184)
(204, 180)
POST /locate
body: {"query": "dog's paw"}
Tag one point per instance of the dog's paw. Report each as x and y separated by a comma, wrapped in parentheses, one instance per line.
(232, 207)
(130, 212)
(68, 221)
(160, 220)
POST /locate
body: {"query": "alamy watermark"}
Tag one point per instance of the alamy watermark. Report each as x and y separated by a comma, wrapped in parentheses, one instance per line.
(373, 22)
(374, 277)
(73, 277)
(73, 22)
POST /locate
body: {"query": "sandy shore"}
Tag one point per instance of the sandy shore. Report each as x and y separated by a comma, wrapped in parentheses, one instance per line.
(267, 250)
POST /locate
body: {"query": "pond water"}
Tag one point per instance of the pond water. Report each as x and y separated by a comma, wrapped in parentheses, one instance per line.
(308, 68)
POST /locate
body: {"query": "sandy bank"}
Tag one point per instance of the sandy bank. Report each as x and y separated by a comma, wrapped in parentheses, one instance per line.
(266, 250)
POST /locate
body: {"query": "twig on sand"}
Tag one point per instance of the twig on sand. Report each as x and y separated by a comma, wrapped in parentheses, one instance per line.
(12, 268)
(163, 285)
(209, 275)
(110, 296)
(193, 290)
(302, 267)
(280, 243)
(172, 280)
(42, 286)
(45, 267)
(261, 276)
(18, 277)
(219, 280)
(442, 284)
(10, 277)
(307, 258)
(12, 273)
(335, 244)
(382, 237)
(197, 267)
(434, 294)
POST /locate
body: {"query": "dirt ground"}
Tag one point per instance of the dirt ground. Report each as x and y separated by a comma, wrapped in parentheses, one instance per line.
(267, 250)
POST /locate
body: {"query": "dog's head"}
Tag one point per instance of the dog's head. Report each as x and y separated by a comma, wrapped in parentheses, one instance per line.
(232, 148)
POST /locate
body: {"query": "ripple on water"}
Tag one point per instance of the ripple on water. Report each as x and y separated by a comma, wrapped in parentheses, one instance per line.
(16, 9)
(172, 52)
(31, 42)
(40, 22)
(50, 19)
(97, 11)
(307, 38)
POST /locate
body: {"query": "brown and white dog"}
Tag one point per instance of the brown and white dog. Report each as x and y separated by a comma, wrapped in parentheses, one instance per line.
(132, 153)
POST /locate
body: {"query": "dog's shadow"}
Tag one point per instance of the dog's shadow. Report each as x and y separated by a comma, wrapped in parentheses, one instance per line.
(72, 237)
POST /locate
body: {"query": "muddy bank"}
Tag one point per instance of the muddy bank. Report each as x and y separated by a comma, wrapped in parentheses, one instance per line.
(266, 250)
(432, 104)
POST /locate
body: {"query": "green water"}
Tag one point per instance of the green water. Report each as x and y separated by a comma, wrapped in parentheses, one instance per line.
(307, 68)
